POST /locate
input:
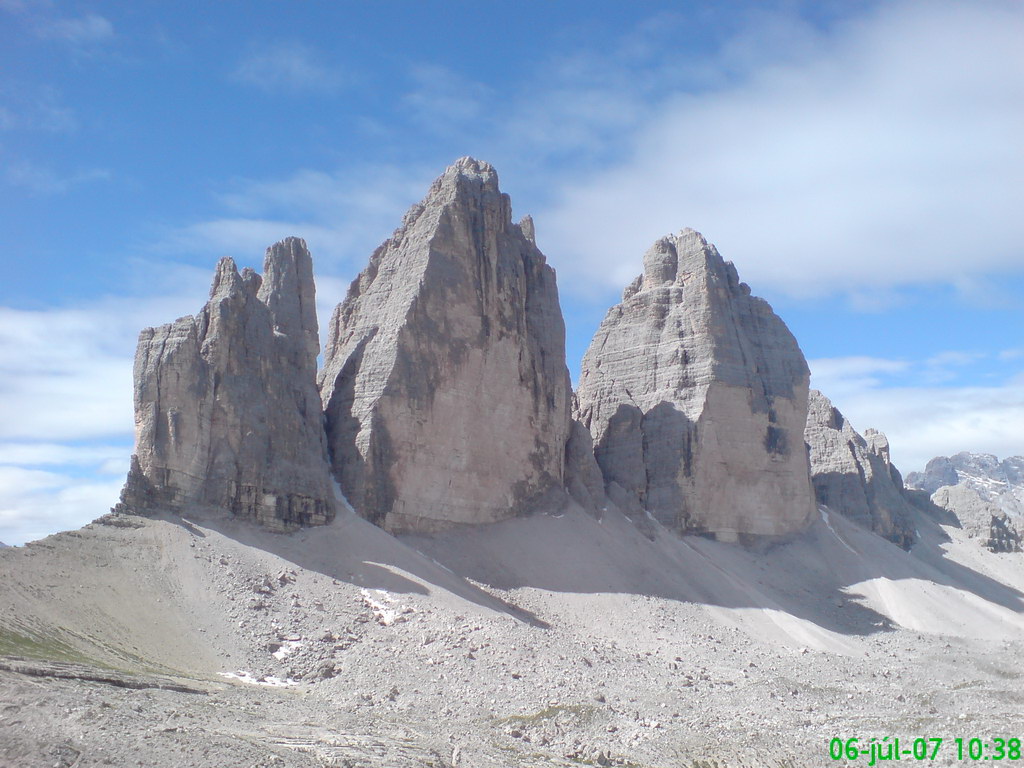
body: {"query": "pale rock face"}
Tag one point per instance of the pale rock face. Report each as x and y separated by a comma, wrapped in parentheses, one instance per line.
(227, 413)
(852, 474)
(583, 479)
(444, 382)
(982, 519)
(695, 394)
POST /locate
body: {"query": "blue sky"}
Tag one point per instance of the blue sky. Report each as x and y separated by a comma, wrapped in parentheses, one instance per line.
(860, 163)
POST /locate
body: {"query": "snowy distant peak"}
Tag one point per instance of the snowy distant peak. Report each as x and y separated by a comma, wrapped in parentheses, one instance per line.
(985, 494)
(1001, 482)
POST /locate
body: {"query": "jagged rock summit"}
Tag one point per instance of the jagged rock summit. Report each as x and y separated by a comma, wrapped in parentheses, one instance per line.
(695, 394)
(985, 494)
(444, 384)
(853, 475)
(227, 412)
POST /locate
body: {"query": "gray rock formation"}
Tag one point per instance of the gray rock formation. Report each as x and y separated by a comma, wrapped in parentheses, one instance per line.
(227, 413)
(1001, 482)
(695, 394)
(981, 519)
(583, 478)
(853, 475)
(985, 494)
(444, 381)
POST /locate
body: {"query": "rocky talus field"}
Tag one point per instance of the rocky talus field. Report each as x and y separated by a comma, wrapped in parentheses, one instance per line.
(433, 553)
(556, 640)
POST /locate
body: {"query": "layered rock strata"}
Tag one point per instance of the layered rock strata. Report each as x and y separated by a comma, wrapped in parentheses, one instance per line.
(444, 382)
(853, 474)
(695, 394)
(227, 413)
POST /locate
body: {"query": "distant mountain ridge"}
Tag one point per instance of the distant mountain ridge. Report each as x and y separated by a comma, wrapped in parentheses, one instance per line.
(998, 481)
(985, 494)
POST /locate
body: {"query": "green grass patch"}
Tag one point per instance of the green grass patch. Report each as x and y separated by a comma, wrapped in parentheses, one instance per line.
(45, 648)
(576, 712)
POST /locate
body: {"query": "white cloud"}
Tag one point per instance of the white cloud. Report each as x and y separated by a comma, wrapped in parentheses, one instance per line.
(924, 421)
(342, 216)
(28, 454)
(883, 153)
(36, 108)
(66, 373)
(40, 180)
(89, 29)
(329, 293)
(33, 506)
(838, 375)
(287, 66)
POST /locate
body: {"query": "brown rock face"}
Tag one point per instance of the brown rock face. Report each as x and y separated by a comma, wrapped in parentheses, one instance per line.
(444, 384)
(227, 412)
(695, 394)
(853, 474)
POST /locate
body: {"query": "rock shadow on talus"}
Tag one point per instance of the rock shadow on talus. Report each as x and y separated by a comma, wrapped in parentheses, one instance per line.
(354, 551)
(853, 474)
(695, 394)
(444, 384)
(227, 414)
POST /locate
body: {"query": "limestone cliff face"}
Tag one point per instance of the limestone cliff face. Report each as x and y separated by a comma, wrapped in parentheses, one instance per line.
(444, 383)
(695, 394)
(227, 413)
(853, 475)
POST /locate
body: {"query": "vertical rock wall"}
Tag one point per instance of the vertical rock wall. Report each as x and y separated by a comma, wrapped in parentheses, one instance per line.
(695, 394)
(853, 475)
(227, 413)
(444, 383)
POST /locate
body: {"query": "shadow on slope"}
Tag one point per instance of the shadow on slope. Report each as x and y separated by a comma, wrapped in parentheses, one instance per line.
(357, 552)
(837, 576)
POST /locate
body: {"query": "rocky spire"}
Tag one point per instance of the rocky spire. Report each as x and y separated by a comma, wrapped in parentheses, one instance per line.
(853, 475)
(695, 394)
(227, 413)
(444, 383)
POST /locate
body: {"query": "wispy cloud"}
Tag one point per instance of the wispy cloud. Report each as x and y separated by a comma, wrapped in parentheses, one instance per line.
(343, 216)
(288, 66)
(29, 454)
(35, 108)
(84, 30)
(442, 99)
(44, 181)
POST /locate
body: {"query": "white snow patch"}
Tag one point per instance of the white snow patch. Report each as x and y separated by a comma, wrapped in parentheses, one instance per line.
(246, 677)
(288, 647)
(824, 516)
(385, 614)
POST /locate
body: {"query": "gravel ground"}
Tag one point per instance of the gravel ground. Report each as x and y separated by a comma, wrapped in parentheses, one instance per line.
(549, 641)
